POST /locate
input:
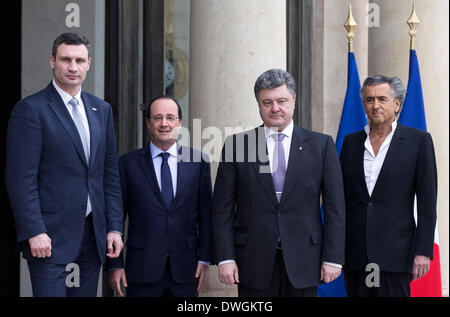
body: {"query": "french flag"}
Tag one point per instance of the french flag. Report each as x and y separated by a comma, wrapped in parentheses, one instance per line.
(413, 115)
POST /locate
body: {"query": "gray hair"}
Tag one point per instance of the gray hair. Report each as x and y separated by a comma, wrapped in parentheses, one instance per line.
(274, 78)
(397, 88)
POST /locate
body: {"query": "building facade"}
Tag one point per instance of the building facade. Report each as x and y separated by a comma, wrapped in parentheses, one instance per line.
(208, 54)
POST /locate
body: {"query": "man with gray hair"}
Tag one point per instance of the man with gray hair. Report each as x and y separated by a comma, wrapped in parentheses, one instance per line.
(268, 232)
(384, 167)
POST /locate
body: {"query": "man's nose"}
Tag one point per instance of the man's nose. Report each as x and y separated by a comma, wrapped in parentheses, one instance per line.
(73, 66)
(376, 104)
(275, 107)
(164, 121)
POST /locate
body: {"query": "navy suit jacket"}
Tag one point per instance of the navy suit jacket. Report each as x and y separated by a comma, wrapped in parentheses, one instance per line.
(381, 227)
(48, 178)
(182, 232)
(248, 219)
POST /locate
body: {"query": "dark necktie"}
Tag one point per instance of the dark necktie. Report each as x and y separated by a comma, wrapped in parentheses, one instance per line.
(166, 180)
(279, 165)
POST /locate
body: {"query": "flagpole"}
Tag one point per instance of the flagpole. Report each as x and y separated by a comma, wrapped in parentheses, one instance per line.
(349, 25)
(413, 22)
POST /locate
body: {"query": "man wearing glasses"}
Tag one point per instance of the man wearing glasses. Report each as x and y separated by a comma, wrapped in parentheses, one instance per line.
(167, 196)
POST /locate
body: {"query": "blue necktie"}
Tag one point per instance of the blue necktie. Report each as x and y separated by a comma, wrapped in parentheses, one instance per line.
(279, 165)
(166, 180)
(78, 120)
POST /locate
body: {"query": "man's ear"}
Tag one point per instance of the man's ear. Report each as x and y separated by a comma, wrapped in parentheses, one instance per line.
(52, 62)
(397, 105)
(89, 64)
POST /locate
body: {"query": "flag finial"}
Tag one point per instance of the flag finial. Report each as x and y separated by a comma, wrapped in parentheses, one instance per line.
(413, 23)
(349, 25)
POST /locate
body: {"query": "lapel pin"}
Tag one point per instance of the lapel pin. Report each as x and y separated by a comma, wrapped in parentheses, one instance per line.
(300, 148)
(95, 109)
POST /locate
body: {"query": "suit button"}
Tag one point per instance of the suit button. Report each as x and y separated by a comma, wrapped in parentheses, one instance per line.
(369, 204)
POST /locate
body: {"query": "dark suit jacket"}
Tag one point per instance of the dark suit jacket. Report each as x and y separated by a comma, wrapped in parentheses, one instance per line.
(183, 232)
(48, 178)
(381, 228)
(248, 220)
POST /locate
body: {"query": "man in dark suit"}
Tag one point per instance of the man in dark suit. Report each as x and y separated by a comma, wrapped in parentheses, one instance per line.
(63, 179)
(167, 193)
(384, 167)
(268, 232)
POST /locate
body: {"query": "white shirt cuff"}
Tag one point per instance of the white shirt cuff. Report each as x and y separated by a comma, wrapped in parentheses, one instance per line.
(203, 262)
(333, 264)
(227, 261)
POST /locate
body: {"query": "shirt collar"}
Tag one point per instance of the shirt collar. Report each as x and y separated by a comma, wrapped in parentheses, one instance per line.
(287, 131)
(155, 151)
(66, 97)
(393, 125)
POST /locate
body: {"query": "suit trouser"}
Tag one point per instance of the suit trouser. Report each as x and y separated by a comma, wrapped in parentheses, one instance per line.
(165, 287)
(49, 279)
(391, 284)
(279, 286)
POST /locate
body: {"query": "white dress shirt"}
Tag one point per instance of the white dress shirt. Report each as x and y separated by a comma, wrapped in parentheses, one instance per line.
(173, 166)
(172, 161)
(66, 97)
(373, 163)
(271, 143)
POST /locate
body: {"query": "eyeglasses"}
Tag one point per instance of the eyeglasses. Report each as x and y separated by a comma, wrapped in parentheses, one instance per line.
(169, 118)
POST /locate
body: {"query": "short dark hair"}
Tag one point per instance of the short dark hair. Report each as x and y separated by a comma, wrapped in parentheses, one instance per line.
(147, 113)
(70, 39)
(274, 78)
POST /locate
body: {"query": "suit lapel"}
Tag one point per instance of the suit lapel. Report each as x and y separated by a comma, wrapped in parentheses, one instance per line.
(360, 161)
(299, 161)
(94, 125)
(148, 169)
(262, 167)
(182, 172)
(59, 109)
(393, 152)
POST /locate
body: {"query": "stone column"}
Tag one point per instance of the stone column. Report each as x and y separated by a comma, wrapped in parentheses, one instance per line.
(232, 43)
(389, 55)
(330, 50)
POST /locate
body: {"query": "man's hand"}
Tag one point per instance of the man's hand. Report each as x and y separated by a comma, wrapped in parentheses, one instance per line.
(114, 244)
(115, 277)
(200, 274)
(421, 266)
(329, 273)
(41, 246)
(228, 273)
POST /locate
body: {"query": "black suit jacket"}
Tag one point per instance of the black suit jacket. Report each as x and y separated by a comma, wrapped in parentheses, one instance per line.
(248, 220)
(381, 228)
(182, 231)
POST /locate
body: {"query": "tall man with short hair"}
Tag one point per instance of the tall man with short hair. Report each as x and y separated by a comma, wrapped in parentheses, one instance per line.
(62, 177)
(268, 232)
(384, 167)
